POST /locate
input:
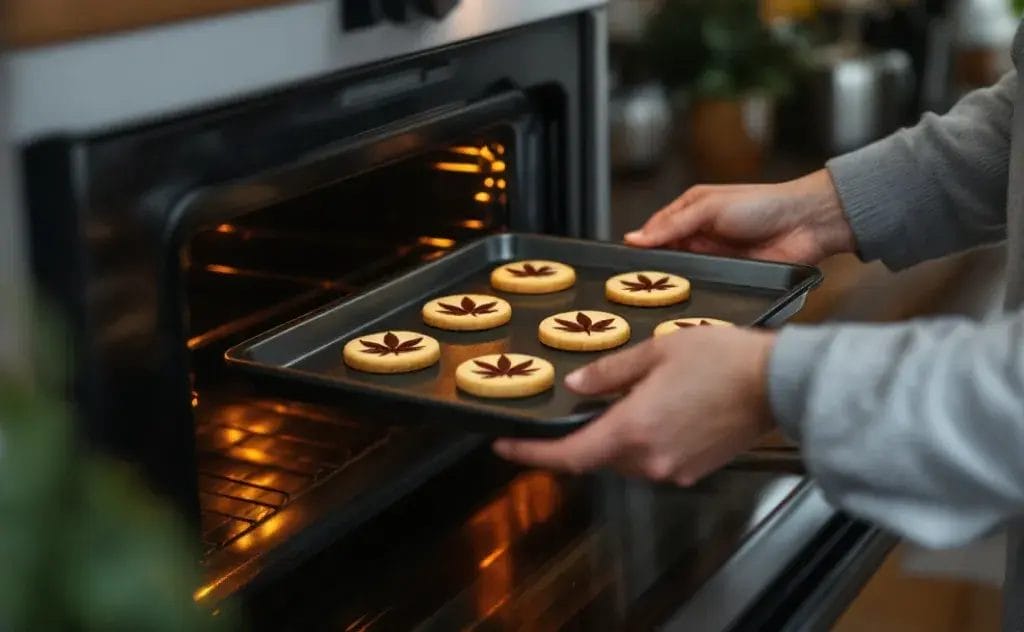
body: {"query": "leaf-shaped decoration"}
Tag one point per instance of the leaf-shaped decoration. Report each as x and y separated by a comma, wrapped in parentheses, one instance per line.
(585, 325)
(503, 368)
(467, 307)
(529, 270)
(391, 345)
(702, 323)
(643, 283)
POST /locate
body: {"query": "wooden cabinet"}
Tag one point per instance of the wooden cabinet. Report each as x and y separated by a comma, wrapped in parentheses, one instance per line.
(33, 22)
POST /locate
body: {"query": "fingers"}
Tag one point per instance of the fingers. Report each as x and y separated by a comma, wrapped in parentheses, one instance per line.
(589, 448)
(680, 219)
(614, 372)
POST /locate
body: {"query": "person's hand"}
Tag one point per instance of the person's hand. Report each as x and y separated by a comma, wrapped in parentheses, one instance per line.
(799, 221)
(696, 398)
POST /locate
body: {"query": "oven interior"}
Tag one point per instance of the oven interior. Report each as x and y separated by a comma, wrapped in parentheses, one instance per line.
(258, 455)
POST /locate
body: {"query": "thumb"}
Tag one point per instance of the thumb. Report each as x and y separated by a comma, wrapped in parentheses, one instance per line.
(613, 372)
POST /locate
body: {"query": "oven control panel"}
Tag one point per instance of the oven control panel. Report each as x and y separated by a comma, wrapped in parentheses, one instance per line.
(359, 14)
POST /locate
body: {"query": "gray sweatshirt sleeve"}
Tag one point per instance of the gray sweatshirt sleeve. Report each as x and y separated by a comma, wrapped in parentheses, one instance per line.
(918, 427)
(933, 189)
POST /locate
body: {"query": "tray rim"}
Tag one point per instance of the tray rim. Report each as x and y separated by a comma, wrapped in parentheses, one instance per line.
(237, 355)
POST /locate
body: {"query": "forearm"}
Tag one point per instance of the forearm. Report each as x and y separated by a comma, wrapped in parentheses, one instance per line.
(918, 427)
(933, 189)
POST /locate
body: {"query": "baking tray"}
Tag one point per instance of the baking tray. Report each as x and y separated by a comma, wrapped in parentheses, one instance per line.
(302, 359)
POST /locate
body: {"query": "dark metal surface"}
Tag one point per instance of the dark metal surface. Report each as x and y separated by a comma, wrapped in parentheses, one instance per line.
(491, 547)
(303, 358)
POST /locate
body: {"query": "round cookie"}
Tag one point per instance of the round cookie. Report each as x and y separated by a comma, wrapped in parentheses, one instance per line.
(672, 326)
(584, 331)
(647, 289)
(533, 277)
(505, 375)
(391, 352)
(467, 312)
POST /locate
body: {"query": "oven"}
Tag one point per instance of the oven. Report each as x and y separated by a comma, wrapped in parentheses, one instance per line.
(305, 153)
(166, 241)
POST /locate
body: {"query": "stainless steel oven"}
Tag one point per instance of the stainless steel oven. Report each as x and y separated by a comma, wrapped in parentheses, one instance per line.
(168, 237)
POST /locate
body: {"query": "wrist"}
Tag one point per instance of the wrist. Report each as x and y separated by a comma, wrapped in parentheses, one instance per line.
(824, 214)
(759, 380)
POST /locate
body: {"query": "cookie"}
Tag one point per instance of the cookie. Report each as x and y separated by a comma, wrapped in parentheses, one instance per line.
(533, 277)
(391, 352)
(671, 326)
(584, 331)
(467, 312)
(505, 375)
(647, 289)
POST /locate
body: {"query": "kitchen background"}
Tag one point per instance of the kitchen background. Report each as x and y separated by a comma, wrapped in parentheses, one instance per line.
(765, 91)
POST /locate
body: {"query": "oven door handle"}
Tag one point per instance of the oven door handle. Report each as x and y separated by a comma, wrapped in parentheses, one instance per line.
(332, 162)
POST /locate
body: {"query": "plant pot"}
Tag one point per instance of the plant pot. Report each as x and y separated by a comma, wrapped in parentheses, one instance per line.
(730, 137)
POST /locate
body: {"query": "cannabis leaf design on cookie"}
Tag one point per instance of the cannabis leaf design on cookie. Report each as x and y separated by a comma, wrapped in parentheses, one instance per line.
(529, 270)
(703, 323)
(391, 345)
(467, 308)
(503, 368)
(585, 325)
(644, 284)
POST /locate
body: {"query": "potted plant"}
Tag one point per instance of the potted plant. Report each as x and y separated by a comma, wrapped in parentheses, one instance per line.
(731, 67)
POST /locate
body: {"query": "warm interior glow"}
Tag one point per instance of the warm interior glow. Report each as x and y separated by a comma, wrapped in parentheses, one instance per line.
(530, 499)
(226, 228)
(501, 183)
(474, 224)
(437, 242)
(457, 167)
(467, 151)
(251, 455)
(216, 268)
(498, 166)
(483, 197)
(485, 151)
(500, 149)
(495, 554)
(489, 182)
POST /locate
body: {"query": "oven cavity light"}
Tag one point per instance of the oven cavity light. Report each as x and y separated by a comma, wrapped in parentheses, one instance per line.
(492, 556)
(489, 182)
(483, 197)
(458, 167)
(498, 147)
(498, 166)
(501, 183)
(486, 152)
(472, 224)
(437, 242)
(226, 228)
(466, 151)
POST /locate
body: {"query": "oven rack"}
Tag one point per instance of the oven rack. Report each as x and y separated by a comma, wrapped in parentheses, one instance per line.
(256, 456)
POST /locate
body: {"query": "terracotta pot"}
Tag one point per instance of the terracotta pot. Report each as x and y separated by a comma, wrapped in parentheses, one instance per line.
(729, 137)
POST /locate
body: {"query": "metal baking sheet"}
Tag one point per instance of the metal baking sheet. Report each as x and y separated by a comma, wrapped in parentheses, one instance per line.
(302, 359)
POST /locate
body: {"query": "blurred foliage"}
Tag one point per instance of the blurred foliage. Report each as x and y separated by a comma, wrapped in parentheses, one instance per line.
(1018, 5)
(84, 545)
(719, 49)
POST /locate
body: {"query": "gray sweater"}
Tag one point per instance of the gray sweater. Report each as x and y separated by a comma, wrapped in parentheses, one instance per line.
(919, 426)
